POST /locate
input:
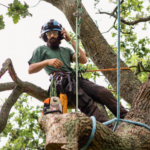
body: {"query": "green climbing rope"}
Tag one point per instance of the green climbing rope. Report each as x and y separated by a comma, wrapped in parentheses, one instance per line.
(53, 92)
(78, 22)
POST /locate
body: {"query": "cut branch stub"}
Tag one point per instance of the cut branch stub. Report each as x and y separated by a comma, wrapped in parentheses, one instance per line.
(61, 133)
(71, 131)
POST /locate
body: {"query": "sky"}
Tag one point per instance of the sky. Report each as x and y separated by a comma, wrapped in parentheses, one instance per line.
(18, 41)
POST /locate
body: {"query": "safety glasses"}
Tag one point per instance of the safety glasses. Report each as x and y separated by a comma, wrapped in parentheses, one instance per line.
(49, 33)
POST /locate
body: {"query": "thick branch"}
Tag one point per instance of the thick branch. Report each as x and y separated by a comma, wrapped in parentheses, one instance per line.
(71, 132)
(140, 109)
(7, 86)
(8, 105)
(9, 66)
(35, 91)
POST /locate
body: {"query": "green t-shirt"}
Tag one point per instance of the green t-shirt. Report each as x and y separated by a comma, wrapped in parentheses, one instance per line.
(62, 53)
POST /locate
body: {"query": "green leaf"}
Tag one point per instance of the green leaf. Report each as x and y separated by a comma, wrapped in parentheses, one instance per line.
(16, 18)
(17, 10)
(2, 24)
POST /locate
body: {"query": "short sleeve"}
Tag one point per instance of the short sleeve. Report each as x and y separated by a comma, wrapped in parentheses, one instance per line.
(37, 56)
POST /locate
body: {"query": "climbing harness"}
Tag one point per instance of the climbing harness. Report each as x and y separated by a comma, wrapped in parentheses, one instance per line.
(52, 104)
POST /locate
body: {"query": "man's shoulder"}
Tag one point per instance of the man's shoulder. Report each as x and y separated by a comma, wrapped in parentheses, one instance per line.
(40, 48)
(62, 47)
(65, 48)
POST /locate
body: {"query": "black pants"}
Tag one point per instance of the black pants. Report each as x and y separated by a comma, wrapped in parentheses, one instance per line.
(89, 93)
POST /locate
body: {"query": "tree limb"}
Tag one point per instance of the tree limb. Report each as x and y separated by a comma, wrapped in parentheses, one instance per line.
(4, 5)
(9, 66)
(111, 27)
(140, 68)
(124, 21)
(7, 86)
(4, 113)
(115, 9)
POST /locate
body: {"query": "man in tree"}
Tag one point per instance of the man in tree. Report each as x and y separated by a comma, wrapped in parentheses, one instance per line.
(56, 59)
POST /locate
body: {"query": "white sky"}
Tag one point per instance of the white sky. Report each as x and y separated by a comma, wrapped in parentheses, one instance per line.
(18, 41)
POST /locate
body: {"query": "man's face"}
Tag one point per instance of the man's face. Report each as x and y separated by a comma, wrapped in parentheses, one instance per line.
(53, 40)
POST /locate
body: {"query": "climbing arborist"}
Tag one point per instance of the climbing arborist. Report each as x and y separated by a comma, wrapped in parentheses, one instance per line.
(56, 61)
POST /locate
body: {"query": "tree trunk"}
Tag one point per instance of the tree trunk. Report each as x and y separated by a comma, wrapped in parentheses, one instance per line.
(71, 131)
(99, 50)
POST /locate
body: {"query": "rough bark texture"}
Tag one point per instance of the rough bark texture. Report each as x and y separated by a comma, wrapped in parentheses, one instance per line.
(71, 131)
(99, 50)
(7, 86)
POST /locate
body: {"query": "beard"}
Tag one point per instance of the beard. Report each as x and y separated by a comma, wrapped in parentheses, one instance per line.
(53, 43)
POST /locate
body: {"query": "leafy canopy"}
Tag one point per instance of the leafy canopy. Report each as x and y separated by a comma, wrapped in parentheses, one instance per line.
(22, 129)
(16, 10)
(2, 24)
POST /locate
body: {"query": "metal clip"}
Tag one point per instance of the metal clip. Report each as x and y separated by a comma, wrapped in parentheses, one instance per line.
(77, 14)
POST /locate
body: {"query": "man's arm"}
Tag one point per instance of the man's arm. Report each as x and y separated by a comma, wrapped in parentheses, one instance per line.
(82, 58)
(36, 67)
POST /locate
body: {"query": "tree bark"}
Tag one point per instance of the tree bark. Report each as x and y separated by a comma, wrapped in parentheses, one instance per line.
(4, 112)
(71, 131)
(99, 50)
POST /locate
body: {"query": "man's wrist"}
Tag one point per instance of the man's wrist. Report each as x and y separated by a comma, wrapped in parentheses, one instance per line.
(70, 42)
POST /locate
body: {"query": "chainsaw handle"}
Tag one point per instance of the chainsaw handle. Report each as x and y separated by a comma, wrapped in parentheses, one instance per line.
(48, 112)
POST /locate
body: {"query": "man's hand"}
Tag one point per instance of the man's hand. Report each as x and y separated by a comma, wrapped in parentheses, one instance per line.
(56, 63)
(36, 67)
(65, 35)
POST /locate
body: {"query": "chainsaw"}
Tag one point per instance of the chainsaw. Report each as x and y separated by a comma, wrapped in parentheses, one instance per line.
(55, 104)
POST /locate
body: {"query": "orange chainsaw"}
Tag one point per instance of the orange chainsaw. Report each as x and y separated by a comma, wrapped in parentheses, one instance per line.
(56, 104)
